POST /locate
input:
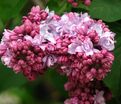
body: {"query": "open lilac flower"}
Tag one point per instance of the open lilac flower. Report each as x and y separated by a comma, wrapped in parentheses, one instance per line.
(107, 41)
(45, 32)
(99, 97)
(8, 35)
(87, 47)
(7, 58)
(79, 46)
(98, 28)
(75, 47)
(49, 60)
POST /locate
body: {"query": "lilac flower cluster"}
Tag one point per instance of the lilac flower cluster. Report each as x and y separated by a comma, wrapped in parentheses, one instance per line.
(74, 44)
(75, 3)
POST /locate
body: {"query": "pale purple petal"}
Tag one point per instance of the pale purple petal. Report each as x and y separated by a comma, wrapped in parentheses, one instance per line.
(64, 18)
(78, 49)
(49, 60)
(99, 98)
(85, 17)
(72, 48)
(7, 34)
(45, 32)
(107, 43)
(27, 37)
(108, 35)
(6, 58)
(87, 47)
(97, 28)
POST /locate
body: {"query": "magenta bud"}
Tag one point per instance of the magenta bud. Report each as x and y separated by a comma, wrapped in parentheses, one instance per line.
(87, 2)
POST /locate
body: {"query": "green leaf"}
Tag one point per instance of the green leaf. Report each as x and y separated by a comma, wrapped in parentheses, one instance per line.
(107, 10)
(10, 8)
(9, 79)
(113, 80)
(59, 6)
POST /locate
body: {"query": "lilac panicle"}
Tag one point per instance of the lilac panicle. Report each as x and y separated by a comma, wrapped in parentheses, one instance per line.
(74, 44)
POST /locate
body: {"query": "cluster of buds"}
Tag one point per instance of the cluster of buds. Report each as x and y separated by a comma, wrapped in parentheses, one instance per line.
(75, 3)
(91, 93)
(73, 44)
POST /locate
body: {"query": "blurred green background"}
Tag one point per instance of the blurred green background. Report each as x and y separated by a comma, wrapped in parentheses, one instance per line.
(48, 89)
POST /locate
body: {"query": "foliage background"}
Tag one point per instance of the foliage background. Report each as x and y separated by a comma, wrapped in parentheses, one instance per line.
(48, 89)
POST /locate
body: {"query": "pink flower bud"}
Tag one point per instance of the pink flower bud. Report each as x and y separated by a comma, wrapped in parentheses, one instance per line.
(87, 2)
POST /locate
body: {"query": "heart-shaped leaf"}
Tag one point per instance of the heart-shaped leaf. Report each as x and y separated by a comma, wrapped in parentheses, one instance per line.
(107, 10)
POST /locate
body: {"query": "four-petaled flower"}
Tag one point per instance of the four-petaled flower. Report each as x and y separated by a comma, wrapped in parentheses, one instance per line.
(99, 98)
